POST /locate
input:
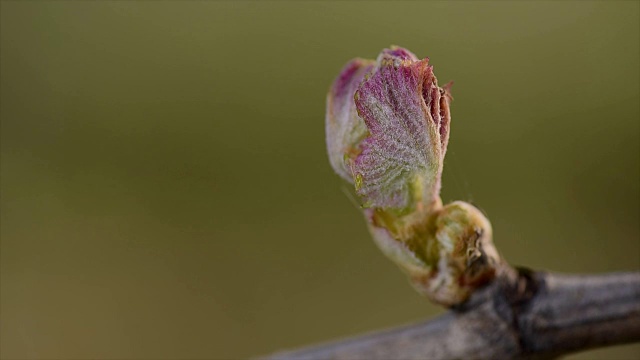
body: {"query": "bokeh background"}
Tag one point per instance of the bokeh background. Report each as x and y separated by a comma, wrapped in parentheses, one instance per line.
(166, 192)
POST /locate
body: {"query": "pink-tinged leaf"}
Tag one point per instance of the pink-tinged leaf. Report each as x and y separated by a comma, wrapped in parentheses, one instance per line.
(407, 116)
(344, 128)
(387, 131)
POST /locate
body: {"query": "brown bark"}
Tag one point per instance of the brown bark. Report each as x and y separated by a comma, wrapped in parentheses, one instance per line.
(520, 315)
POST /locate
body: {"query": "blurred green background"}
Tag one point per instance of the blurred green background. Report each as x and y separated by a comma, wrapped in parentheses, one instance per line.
(166, 191)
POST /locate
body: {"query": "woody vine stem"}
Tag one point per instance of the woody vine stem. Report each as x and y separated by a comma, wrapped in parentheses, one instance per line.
(533, 316)
(388, 126)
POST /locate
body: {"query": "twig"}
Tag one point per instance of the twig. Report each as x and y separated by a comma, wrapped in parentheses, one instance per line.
(520, 315)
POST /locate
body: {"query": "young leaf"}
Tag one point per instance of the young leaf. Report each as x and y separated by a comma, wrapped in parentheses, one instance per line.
(407, 116)
(345, 130)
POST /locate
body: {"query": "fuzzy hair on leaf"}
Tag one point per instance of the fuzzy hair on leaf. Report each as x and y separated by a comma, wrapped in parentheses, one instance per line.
(407, 118)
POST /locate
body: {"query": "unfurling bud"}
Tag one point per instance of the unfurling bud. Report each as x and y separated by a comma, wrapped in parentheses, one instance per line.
(387, 132)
